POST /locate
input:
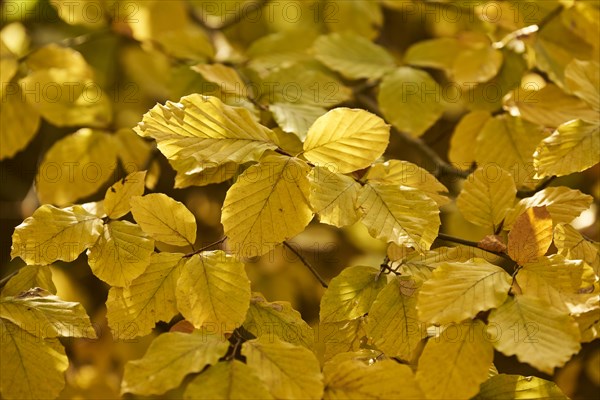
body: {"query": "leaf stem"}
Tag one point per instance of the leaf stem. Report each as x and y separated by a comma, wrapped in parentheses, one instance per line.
(208, 246)
(307, 264)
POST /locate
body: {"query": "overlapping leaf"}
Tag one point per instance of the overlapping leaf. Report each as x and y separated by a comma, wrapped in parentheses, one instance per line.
(117, 197)
(29, 277)
(333, 197)
(530, 236)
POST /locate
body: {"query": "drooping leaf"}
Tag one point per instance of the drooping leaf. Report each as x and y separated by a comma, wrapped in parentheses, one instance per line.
(516, 387)
(393, 323)
(456, 362)
(277, 319)
(170, 357)
(353, 56)
(164, 219)
(134, 310)
(466, 131)
(411, 100)
(232, 380)
(121, 254)
(573, 147)
(530, 235)
(457, 291)
(536, 333)
(296, 118)
(346, 140)
(52, 234)
(29, 277)
(486, 197)
(76, 167)
(581, 78)
(274, 191)
(287, 370)
(227, 78)
(28, 361)
(351, 294)
(213, 290)
(116, 200)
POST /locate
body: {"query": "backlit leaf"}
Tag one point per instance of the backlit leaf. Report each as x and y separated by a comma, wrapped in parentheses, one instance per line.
(116, 200)
(571, 244)
(581, 78)
(29, 277)
(466, 131)
(20, 121)
(333, 197)
(227, 78)
(516, 387)
(530, 236)
(341, 337)
(296, 118)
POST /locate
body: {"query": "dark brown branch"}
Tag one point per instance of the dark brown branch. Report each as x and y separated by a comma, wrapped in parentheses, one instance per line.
(307, 264)
(208, 246)
(449, 238)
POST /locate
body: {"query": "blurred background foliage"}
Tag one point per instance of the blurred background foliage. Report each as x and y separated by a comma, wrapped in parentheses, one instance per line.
(140, 53)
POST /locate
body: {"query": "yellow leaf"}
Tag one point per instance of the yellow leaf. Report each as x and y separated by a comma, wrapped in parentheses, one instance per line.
(411, 100)
(76, 167)
(573, 147)
(456, 362)
(213, 290)
(205, 130)
(31, 368)
(52, 234)
(353, 56)
(438, 53)
(341, 337)
(385, 379)
(48, 315)
(536, 333)
(333, 197)
(288, 371)
(509, 143)
(19, 120)
(362, 17)
(530, 236)
(170, 357)
(345, 140)
(516, 387)
(582, 79)
(227, 78)
(230, 380)
(29, 277)
(277, 319)
(405, 217)
(589, 325)
(457, 291)
(351, 293)
(280, 49)
(116, 199)
(296, 118)
(274, 191)
(478, 64)
(393, 323)
(89, 13)
(150, 298)
(563, 204)
(487, 195)
(571, 244)
(133, 151)
(164, 219)
(404, 173)
(466, 131)
(121, 254)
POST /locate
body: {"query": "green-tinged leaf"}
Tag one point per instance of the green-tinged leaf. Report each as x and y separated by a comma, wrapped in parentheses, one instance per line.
(535, 332)
(573, 147)
(393, 323)
(19, 120)
(296, 118)
(134, 310)
(382, 380)
(164, 219)
(121, 254)
(277, 319)
(29, 277)
(563, 204)
(405, 217)
(205, 130)
(280, 49)
(456, 362)
(346, 140)
(466, 131)
(333, 197)
(477, 64)
(363, 17)
(213, 289)
(288, 371)
(486, 197)
(571, 244)
(583, 80)
(457, 291)
(227, 78)
(351, 294)
(509, 143)
(407, 174)
(52, 234)
(30, 367)
(267, 205)
(47, 315)
(116, 199)
(353, 56)
(438, 53)
(170, 357)
(76, 167)
(530, 235)
(341, 337)
(232, 380)
(516, 387)
(411, 100)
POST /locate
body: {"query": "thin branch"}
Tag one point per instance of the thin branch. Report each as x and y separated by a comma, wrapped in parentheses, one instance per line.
(542, 186)
(449, 238)
(208, 246)
(307, 264)
(228, 22)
